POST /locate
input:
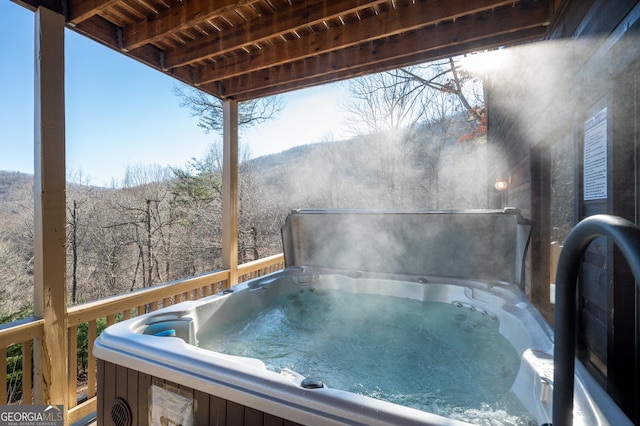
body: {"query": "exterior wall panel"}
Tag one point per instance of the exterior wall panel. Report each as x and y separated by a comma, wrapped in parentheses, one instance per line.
(591, 62)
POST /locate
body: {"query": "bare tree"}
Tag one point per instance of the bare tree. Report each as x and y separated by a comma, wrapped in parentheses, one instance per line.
(454, 112)
(108, 248)
(14, 279)
(197, 189)
(16, 243)
(408, 116)
(208, 109)
(78, 193)
(450, 78)
(139, 174)
(385, 109)
(259, 216)
(147, 212)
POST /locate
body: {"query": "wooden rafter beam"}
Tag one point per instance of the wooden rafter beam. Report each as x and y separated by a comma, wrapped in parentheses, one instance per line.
(386, 24)
(259, 31)
(268, 90)
(300, 15)
(501, 23)
(174, 20)
(287, 85)
(106, 33)
(81, 10)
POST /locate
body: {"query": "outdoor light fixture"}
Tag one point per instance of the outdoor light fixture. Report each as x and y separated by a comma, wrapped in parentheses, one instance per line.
(501, 184)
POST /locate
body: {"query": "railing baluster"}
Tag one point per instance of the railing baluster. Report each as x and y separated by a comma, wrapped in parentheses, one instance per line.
(72, 365)
(111, 319)
(3, 375)
(91, 360)
(27, 397)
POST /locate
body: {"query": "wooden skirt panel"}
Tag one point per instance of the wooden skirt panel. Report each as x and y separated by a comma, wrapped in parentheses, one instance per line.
(123, 400)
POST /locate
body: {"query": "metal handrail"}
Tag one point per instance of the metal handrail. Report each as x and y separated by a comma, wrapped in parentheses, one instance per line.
(626, 236)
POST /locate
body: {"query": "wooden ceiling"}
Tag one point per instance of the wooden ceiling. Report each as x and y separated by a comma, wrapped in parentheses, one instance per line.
(253, 48)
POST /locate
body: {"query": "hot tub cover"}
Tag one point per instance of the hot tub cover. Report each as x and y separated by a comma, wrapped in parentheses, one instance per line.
(480, 244)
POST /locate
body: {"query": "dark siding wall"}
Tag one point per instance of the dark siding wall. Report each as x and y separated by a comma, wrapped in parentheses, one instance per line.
(543, 97)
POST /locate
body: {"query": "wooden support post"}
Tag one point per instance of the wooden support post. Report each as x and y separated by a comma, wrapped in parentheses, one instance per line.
(230, 190)
(50, 295)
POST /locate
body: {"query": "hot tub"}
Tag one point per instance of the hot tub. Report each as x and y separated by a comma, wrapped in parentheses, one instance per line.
(172, 366)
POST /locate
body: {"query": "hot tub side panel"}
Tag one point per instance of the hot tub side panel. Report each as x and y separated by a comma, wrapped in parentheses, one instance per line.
(118, 383)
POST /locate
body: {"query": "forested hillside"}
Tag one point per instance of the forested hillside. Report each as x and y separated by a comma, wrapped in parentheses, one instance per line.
(162, 224)
(16, 237)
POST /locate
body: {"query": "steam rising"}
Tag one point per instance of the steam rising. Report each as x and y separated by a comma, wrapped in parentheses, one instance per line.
(542, 88)
(383, 173)
(538, 93)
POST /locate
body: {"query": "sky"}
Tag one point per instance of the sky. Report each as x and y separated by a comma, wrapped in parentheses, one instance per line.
(121, 113)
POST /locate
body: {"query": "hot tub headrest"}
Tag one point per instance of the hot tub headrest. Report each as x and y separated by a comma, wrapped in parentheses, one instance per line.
(482, 244)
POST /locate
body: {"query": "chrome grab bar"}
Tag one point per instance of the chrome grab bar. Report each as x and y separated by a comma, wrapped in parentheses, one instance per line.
(626, 236)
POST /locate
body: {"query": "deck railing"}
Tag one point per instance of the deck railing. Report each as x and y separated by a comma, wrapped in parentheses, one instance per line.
(90, 317)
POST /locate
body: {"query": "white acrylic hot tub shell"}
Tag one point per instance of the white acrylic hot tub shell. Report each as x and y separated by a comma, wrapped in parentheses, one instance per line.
(247, 381)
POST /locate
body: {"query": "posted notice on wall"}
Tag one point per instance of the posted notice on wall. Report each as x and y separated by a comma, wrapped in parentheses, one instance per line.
(595, 157)
(169, 407)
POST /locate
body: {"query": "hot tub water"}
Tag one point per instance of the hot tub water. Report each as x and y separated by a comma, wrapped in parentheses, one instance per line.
(451, 361)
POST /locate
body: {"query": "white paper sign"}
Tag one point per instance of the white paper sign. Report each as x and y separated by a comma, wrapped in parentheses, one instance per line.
(169, 408)
(595, 157)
